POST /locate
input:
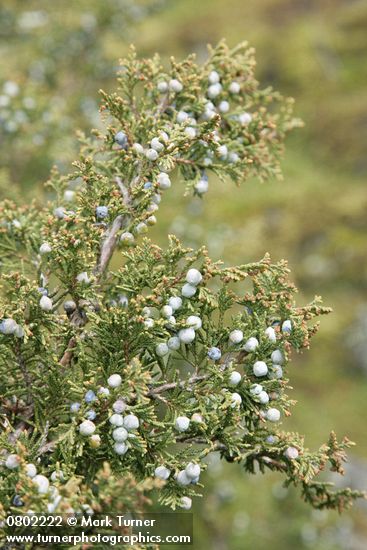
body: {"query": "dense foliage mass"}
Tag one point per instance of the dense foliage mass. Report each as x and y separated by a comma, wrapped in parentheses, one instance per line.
(124, 379)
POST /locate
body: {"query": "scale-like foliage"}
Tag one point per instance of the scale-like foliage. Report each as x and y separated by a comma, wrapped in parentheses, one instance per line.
(109, 374)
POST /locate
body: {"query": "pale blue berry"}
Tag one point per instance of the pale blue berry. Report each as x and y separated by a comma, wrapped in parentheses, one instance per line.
(175, 302)
(260, 368)
(161, 472)
(273, 415)
(234, 88)
(193, 276)
(214, 354)
(174, 343)
(182, 423)
(131, 422)
(188, 290)
(287, 326)
(121, 138)
(251, 344)
(101, 212)
(90, 396)
(75, 407)
(91, 414)
(186, 335)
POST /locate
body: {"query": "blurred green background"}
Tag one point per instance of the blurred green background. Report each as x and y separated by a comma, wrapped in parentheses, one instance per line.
(54, 59)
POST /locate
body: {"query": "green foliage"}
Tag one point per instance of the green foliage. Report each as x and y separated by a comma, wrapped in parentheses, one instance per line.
(70, 321)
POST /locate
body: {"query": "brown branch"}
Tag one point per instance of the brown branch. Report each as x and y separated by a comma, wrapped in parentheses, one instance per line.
(108, 246)
(172, 385)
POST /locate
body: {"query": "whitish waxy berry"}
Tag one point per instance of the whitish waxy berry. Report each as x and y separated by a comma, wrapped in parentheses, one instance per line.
(12, 462)
(74, 407)
(120, 434)
(163, 180)
(273, 415)
(161, 472)
(87, 427)
(271, 334)
(42, 483)
(234, 88)
(162, 86)
(45, 248)
(57, 475)
(174, 343)
(233, 157)
(19, 332)
(256, 389)
(167, 311)
(83, 277)
(260, 368)
(182, 478)
(120, 448)
(234, 378)
(185, 503)
(149, 323)
(277, 372)
(194, 321)
(138, 148)
(119, 406)
(197, 418)
(162, 349)
(214, 90)
(121, 138)
(151, 154)
(46, 303)
(236, 336)
(188, 291)
(193, 276)
(287, 326)
(8, 326)
(186, 335)
(175, 302)
(251, 344)
(156, 144)
(91, 414)
(192, 470)
(263, 397)
(59, 213)
(272, 439)
(131, 422)
(175, 85)
(101, 212)
(213, 77)
(69, 195)
(127, 238)
(90, 396)
(291, 453)
(214, 354)
(31, 470)
(202, 186)
(224, 106)
(114, 381)
(181, 117)
(116, 420)
(182, 423)
(190, 132)
(245, 118)
(222, 151)
(236, 400)
(277, 357)
(104, 391)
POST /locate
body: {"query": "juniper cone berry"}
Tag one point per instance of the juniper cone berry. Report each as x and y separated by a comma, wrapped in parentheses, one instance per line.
(119, 357)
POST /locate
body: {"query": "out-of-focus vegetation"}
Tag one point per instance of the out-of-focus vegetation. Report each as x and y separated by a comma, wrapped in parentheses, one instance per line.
(56, 56)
